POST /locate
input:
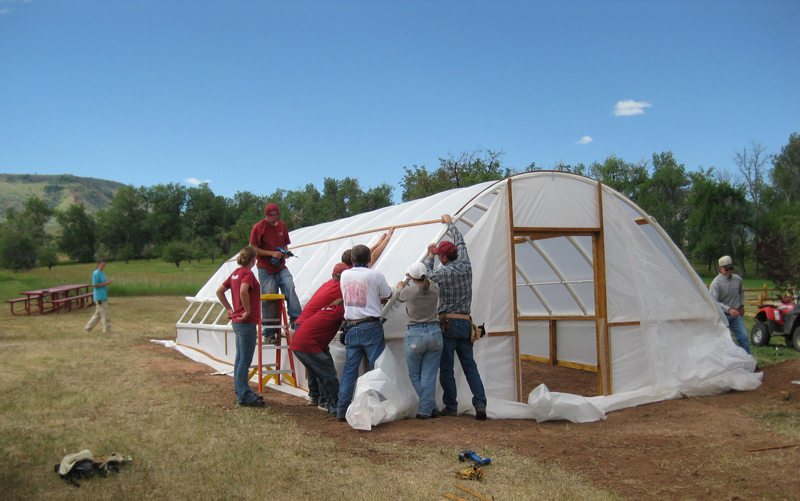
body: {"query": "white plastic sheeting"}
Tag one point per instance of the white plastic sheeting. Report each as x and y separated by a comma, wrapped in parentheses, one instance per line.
(665, 334)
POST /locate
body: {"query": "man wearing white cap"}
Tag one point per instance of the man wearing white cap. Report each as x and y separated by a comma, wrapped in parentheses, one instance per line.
(728, 290)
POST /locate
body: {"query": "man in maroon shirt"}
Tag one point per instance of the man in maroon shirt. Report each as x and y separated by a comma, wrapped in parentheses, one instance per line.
(310, 345)
(267, 236)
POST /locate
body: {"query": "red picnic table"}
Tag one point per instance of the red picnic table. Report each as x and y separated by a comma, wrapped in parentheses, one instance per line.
(43, 301)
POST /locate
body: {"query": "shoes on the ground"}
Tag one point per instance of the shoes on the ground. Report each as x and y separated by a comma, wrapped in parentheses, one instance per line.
(312, 402)
(435, 413)
(322, 407)
(449, 412)
(254, 403)
(480, 413)
(423, 416)
(341, 419)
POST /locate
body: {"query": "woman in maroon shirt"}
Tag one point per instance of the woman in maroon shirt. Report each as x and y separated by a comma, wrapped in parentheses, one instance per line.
(245, 315)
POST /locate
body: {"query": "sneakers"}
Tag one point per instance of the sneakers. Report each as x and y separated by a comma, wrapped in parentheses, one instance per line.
(435, 413)
(322, 407)
(422, 416)
(480, 413)
(342, 419)
(273, 340)
(312, 402)
(447, 412)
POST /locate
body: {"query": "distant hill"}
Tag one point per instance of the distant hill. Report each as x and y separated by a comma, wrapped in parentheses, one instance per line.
(58, 191)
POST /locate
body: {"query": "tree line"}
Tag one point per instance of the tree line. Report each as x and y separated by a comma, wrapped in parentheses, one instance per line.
(752, 214)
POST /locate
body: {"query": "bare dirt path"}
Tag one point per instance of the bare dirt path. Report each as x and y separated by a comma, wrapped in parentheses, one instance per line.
(694, 448)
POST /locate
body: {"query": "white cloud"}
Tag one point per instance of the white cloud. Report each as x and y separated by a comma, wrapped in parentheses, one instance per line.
(195, 181)
(630, 107)
(584, 140)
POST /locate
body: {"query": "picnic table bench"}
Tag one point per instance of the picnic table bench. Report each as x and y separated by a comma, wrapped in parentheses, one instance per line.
(39, 302)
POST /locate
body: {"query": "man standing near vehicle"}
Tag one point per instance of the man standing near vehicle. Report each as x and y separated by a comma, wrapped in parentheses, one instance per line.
(728, 290)
(100, 284)
(364, 291)
(454, 278)
(267, 237)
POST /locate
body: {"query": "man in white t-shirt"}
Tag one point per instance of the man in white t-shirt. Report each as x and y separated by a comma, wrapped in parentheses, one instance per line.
(364, 290)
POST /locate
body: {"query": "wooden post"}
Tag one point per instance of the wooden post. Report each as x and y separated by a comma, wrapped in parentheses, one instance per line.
(512, 270)
(601, 304)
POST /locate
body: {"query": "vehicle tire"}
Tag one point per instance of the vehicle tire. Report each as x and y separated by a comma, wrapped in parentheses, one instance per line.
(796, 339)
(759, 336)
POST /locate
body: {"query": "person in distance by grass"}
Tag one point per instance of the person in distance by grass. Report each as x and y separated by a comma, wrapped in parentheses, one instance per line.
(100, 284)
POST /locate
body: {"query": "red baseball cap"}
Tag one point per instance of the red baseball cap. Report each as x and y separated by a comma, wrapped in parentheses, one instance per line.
(338, 269)
(446, 248)
(273, 212)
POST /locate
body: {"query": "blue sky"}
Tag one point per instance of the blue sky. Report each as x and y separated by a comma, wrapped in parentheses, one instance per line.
(259, 95)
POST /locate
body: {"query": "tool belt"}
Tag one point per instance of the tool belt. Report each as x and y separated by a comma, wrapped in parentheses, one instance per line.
(444, 319)
(476, 333)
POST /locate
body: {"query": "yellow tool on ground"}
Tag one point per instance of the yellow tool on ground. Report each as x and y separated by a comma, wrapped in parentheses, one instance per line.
(474, 472)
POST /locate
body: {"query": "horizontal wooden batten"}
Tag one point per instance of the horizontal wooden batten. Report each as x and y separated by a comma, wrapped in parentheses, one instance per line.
(556, 318)
(624, 324)
(367, 232)
(641, 221)
(560, 363)
(532, 358)
(542, 233)
(494, 334)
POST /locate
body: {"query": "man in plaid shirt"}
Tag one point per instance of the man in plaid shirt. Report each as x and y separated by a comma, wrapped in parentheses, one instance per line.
(455, 298)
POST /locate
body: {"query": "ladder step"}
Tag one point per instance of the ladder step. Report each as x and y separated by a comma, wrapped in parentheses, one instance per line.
(282, 371)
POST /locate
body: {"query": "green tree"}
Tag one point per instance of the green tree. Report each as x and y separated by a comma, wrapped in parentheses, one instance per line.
(48, 256)
(627, 178)
(164, 208)
(121, 228)
(176, 252)
(786, 170)
(77, 239)
(464, 169)
(719, 216)
(205, 215)
(22, 236)
(664, 196)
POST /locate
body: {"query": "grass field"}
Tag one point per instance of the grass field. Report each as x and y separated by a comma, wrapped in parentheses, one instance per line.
(136, 278)
(65, 390)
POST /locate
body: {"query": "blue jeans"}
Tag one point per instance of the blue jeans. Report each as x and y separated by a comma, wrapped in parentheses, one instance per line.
(320, 367)
(364, 339)
(246, 340)
(314, 385)
(270, 284)
(423, 348)
(739, 331)
(457, 340)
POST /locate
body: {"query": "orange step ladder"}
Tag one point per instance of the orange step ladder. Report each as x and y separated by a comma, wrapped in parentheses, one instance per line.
(267, 371)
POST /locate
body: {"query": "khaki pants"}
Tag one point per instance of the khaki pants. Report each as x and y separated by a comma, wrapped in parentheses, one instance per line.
(100, 313)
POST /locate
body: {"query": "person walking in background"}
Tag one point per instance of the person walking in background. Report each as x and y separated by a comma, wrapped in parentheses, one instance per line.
(245, 317)
(269, 238)
(101, 313)
(423, 340)
(455, 300)
(728, 291)
(363, 290)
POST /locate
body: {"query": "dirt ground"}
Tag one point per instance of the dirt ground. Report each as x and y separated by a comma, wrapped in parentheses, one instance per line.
(694, 448)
